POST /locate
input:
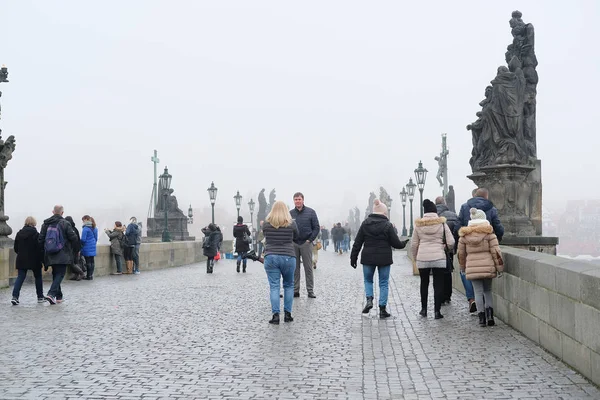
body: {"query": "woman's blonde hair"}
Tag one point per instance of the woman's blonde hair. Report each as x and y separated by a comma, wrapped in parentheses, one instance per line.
(279, 215)
(30, 221)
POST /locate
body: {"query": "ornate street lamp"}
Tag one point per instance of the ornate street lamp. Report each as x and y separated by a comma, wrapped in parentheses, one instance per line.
(238, 202)
(410, 187)
(190, 215)
(251, 205)
(212, 193)
(420, 176)
(403, 196)
(165, 180)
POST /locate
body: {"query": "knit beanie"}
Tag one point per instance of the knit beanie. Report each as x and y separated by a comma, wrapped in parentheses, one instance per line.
(429, 207)
(477, 214)
(379, 207)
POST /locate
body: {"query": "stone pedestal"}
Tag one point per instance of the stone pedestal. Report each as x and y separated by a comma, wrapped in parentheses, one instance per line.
(510, 192)
(178, 228)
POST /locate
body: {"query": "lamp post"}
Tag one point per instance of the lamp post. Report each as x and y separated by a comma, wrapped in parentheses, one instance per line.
(212, 193)
(410, 187)
(190, 215)
(165, 180)
(420, 176)
(251, 207)
(403, 195)
(238, 202)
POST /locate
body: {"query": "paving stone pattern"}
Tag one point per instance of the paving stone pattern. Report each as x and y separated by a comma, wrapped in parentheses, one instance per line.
(179, 333)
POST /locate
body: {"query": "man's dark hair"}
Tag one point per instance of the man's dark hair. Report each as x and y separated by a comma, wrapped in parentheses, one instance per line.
(240, 219)
(298, 194)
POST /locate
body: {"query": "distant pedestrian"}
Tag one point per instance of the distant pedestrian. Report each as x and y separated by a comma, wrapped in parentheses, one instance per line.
(212, 239)
(89, 239)
(376, 237)
(430, 237)
(337, 233)
(76, 268)
(480, 258)
(243, 238)
(347, 237)
(29, 257)
(116, 236)
(452, 222)
(57, 238)
(308, 229)
(325, 237)
(133, 234)
(281, 234)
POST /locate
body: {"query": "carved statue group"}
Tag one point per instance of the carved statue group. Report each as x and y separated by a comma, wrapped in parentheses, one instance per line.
(505, 129)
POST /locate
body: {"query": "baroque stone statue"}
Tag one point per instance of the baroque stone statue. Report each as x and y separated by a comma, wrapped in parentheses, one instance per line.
(369, 210)
(7, 147)
(272, 197)
(450, 201)
(504, 132)
(262, 206)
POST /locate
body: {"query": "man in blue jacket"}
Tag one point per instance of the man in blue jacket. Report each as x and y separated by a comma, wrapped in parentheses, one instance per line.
(308, 230)
(481, 202)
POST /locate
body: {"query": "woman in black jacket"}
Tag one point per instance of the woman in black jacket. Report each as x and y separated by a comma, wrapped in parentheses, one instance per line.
(212, 242)
(243, 237)
(78, 273)
(29, 257)
(378, 236)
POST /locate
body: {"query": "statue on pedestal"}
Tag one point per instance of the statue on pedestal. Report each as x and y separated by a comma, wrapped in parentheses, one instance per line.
(7, 147)
(369, 210)
(262, 206)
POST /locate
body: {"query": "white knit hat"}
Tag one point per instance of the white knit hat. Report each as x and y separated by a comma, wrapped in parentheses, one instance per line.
(477, 214)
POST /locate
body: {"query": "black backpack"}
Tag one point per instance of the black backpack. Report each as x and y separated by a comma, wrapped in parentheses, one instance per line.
(124, 241)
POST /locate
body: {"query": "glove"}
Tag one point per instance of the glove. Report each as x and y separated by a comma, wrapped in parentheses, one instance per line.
(353, 264)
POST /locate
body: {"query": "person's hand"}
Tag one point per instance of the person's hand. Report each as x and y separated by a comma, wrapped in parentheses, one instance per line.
(353, 264)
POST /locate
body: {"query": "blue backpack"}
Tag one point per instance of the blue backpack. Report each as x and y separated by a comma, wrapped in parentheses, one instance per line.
(54, 240)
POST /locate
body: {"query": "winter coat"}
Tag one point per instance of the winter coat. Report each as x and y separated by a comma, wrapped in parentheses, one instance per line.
(238, 234)
(89, 238)
(427, 239)
(307, 222)
(479, 252)
(337, 233)
(280, 241)
(486, 206)
(65, 255)
(211, 243)
(116, 236)
(451, 221)
(378, 236)
(324, 234)
(29, 252)
(132, 233)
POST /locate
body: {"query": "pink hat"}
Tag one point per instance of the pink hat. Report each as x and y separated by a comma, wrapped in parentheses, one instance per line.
(379, 207)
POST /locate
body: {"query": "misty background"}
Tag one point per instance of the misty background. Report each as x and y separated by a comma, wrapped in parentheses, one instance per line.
(333, 99)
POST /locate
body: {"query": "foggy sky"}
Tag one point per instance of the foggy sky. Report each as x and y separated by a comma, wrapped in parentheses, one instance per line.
(332, 98)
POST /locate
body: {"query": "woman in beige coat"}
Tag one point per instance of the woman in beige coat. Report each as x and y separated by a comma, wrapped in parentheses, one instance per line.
(479, 254)
(428, 251)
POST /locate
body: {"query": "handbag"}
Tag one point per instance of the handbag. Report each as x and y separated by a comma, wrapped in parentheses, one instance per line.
(247, 239)
(447, 252)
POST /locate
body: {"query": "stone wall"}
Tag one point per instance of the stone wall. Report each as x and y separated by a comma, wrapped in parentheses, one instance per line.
(152, 256)
(553, 301)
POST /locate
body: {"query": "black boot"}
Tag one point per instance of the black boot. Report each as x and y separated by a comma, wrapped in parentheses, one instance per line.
(438, 315)
(369, 305)
(383, 313)
(238, 266)
(481, 318)
(244, 268)
(423, 312)
(275, 319)
(489, 313)
(288, 317)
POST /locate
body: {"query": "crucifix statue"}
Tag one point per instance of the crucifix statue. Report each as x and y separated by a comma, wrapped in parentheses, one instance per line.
(7, 147)
(442, 159)
(155, 161)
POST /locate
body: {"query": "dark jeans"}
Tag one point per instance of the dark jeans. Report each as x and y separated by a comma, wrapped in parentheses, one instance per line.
(136, 257)
(210, 263)
(58, 274)
(438, 286)
(119, 262)
(39, 288)
(90, 265)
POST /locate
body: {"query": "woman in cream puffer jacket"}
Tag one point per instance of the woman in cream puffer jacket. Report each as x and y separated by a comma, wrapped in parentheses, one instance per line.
(428, 252)
(480, 256)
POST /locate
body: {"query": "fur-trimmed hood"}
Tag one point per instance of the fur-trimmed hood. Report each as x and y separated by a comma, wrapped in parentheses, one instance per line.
(485, 229)
(430, 219)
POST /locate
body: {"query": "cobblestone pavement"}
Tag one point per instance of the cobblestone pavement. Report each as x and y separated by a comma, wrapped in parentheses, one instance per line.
(179, 333)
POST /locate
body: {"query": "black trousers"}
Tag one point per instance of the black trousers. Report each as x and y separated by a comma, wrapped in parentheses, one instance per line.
(438, 286)
(447, 286)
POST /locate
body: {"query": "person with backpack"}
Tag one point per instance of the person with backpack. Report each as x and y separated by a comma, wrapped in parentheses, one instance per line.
(210, 247)
(89, 239)
(58, 240)
(134, 239)
(29, 257)
(243, 238)
(117, 237)
(76, 269)
(131, 235)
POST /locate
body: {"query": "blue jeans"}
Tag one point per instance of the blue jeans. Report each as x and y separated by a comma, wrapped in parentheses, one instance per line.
(384, 278)
(58, 273)
(277, 266)
(468, 286)
(240, 255)
(325, 244)
(136, 257)
(37, 273)
(346, 243)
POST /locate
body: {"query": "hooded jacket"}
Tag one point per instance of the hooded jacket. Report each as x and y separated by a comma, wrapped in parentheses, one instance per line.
(378, 236)
(238, 234)
(479, 251)
(486, 206)
(65, 255)
(89, 239)
(116, 236)
(211, 242)
(132, 232)
(29, 252)
(427, 239)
